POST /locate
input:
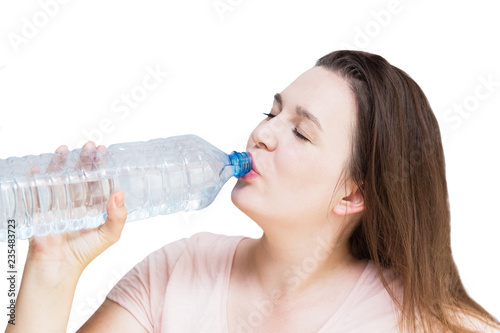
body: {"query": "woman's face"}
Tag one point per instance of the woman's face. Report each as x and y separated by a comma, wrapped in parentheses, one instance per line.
(299, 152)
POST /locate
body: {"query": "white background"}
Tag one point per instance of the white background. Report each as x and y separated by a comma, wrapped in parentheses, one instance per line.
(65, 76)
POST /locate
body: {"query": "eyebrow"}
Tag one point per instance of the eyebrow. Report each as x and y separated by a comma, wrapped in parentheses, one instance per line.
(300, 110)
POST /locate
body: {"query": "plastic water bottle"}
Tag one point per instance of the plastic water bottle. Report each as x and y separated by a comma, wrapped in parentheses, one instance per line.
(69, 190)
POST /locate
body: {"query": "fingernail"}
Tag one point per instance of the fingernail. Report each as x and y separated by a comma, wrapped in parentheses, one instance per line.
(118, 202)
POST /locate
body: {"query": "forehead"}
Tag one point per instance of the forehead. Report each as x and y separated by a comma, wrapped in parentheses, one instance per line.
(325, 94)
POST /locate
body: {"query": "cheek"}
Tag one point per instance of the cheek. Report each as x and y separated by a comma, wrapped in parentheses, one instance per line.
(313, 187)
(307, 179)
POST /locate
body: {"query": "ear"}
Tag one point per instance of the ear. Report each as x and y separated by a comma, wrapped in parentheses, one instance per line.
(351, 204)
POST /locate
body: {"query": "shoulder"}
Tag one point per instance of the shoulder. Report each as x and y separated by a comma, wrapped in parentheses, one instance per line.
(370, 307)
(176, 276)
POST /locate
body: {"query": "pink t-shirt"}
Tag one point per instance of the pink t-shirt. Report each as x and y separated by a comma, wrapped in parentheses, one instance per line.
(183, 287)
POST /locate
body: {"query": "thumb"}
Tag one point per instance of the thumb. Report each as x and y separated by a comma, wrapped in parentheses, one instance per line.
(111, 230)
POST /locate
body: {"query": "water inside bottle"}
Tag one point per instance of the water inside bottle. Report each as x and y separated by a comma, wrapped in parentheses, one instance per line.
(38, 203)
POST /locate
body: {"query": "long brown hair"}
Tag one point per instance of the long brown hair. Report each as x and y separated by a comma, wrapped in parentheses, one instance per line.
(398, 164)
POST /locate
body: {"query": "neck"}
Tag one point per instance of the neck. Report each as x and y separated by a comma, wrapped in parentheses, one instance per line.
(289, 264)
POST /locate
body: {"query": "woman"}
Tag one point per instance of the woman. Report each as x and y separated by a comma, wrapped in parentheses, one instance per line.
(349, 188)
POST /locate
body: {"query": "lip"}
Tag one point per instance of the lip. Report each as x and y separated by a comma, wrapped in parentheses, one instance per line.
(251, 175)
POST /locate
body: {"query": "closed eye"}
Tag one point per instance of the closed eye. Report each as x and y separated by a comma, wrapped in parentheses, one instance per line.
(298, 135)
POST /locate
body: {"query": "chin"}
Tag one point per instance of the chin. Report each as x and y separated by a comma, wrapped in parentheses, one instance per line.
(246, 201)
(238, 195)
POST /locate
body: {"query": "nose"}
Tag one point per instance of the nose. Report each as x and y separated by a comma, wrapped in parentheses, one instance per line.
(265, 135)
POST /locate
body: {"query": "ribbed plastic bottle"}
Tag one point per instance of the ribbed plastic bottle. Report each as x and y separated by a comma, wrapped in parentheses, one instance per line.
(69, 190)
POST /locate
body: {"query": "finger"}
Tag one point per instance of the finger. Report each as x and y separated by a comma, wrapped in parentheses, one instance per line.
(58, 160)
(89, 145)
(85, 160)
(102, 156)
(111, 230)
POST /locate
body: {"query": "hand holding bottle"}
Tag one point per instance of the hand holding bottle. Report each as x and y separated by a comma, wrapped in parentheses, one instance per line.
(78, 248)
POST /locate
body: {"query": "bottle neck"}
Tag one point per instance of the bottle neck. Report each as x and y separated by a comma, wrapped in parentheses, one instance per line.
(241, 162)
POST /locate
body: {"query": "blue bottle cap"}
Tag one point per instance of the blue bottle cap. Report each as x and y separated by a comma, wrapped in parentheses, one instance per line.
(242, 163)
